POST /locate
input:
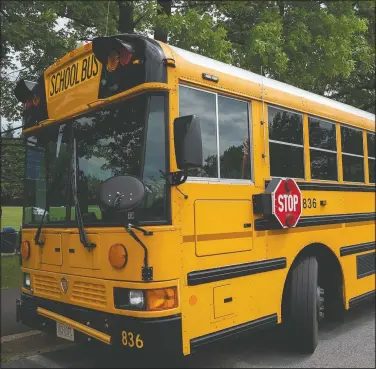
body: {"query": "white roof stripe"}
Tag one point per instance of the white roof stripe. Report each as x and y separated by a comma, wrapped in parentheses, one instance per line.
(256, 78)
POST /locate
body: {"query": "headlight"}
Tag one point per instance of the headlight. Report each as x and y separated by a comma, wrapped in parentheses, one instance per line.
(147, 300)
(27, 281)
(136, 299)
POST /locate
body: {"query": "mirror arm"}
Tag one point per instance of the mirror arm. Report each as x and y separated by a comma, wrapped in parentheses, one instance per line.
(146, 272)
(144, 231)
(177, 178)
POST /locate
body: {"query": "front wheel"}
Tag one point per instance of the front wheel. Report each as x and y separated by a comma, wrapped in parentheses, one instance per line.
(304, 305)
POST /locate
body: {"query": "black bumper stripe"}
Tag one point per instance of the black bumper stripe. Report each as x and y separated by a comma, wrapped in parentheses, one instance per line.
(265, 224)
(158, 334)
(234, 271)
(309, 186)
(359, 299)
(355, 249)
(264, 322)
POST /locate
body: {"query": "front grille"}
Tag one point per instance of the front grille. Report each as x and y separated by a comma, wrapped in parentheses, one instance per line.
(89, 293)
(46, 285)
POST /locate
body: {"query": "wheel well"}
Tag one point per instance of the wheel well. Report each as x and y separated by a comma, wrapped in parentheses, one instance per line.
(330, 270)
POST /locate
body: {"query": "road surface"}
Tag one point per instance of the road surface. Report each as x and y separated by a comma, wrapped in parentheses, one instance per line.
(351, 344)
(8, 312)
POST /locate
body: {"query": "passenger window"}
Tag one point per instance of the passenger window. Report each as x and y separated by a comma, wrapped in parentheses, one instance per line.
(323, 149)
(234, 146)
(285, 143)
(371, 156)
(226, 118)
(352, 154)
(202, 104)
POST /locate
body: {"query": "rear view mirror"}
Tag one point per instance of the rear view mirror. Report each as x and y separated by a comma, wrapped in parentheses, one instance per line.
(188, 142)
(121, 193)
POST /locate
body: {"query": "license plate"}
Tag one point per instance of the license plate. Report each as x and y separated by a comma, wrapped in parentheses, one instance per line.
(63, 331)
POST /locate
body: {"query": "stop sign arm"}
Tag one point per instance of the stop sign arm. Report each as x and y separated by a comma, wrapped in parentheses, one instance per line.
(262, 203)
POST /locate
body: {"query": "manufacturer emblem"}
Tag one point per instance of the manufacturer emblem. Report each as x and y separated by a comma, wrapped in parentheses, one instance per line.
(64, 284)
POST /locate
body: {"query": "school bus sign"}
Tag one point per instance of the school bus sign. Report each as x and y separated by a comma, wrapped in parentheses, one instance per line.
(72, 82)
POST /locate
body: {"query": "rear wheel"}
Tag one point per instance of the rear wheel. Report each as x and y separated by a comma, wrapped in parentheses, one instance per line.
(304, 305)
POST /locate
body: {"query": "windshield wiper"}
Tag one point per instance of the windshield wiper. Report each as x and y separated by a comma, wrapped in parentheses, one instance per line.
(39, 230)
(80, 223)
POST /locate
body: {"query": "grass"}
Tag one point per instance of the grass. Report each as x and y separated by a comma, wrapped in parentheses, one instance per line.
(10, 271)
(11, 217)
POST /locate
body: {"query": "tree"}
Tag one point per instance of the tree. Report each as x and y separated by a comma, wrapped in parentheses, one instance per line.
(12, 170)
(163, 9)
(322, 46)
(325, 47)
(30, 33)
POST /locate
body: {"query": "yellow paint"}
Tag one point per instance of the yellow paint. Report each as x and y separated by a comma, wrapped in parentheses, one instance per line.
(105, 338)
(207, 229)
(222, 305)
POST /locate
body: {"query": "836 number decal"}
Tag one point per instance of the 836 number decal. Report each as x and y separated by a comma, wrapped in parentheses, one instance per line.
(309, 203)
(129, 339)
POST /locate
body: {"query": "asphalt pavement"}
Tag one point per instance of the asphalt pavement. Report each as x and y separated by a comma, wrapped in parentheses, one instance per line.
(348, 345)
(9, 325)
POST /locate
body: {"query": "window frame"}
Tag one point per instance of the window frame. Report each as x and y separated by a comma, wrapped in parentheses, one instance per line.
(287, 143)
(354, 155)
(370, 157)
(218, 179)
(324, 150)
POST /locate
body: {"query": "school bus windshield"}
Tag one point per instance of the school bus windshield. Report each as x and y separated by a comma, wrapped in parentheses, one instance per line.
(126, 138)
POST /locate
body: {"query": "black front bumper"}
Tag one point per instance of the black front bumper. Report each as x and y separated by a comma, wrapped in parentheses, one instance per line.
(158, 335)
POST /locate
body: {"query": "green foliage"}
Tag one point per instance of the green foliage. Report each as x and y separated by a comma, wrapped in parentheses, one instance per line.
(326, 47)
(315, 45)
(12, 169)
(199, 33)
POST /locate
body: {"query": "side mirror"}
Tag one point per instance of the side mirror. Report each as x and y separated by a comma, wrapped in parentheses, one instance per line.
(188, 142)
(121, 193)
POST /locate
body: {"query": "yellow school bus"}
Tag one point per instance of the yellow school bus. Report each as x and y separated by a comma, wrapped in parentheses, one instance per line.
(157, 213)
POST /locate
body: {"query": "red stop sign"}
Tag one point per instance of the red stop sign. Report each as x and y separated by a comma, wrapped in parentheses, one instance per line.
(286, 201)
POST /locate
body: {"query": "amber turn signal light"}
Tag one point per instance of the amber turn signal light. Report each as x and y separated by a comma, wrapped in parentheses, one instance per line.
(25, 250)
(118, 256)
(162, 298)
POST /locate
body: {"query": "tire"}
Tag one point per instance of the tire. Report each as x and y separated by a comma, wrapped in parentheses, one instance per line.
(303, 314)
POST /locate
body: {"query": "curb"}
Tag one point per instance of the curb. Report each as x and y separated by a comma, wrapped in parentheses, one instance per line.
(13, 337)
(8, 254)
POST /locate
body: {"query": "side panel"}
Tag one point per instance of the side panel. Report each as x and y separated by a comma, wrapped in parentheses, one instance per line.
(51, 252)
(217, 221)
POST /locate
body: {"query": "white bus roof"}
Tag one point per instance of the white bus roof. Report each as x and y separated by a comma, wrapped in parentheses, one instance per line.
(204, 61)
